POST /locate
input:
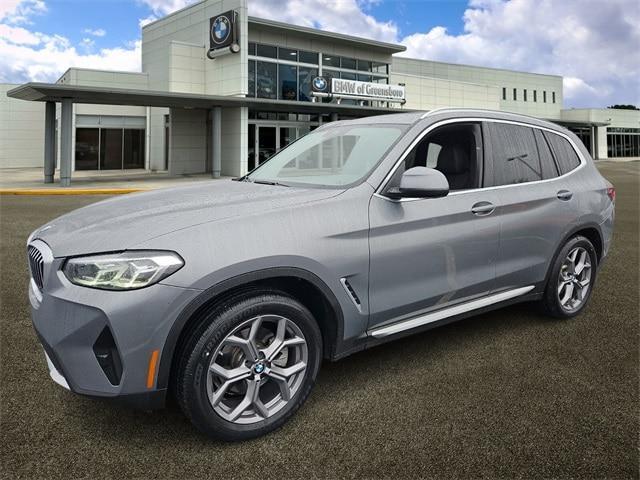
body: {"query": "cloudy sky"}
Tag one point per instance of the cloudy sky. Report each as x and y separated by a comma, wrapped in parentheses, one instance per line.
(594, 44)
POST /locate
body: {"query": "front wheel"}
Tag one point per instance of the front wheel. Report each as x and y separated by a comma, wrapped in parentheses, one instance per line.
(572, 278)
(250, 365)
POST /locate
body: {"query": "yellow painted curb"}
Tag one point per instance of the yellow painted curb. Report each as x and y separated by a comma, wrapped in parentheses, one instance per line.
(70, 191)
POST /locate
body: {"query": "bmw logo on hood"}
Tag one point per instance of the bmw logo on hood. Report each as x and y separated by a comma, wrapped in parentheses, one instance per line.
(320, 84)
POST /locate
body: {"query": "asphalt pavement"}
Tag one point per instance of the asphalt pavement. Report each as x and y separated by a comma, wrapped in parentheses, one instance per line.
(508, 394)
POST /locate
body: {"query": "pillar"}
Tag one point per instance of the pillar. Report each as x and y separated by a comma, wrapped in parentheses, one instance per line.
(66, 137)
(49, 141)
(216, 141)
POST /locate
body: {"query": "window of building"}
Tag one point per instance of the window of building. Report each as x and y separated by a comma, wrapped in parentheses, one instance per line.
(544, 96)
(535, 95)
(87, 148)
(515, 94)
(252, 48)
(266, 79)
(504, 93)
(453, 150)
(287, 82)
(364, 78)
(305, 76)
(525, 94)
(251, 90)
(349, 63)
(623, 142)
(331, 61)
(364, 65)
(133, 149)
(514, 154)
(287, 54)
(268, 51)
(378, 67)
(553, 97)
(566, 157)
(308, 57)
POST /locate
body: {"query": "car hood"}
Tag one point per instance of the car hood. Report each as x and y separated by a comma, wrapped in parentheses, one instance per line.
(122, 222)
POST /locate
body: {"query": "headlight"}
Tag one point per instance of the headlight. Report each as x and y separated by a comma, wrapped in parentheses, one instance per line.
(122, 271)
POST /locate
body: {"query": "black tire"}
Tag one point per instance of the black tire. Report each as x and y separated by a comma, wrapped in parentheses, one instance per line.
(551, 302)
(190, 382)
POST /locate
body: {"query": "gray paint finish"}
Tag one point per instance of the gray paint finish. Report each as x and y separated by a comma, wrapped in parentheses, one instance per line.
(410, 261)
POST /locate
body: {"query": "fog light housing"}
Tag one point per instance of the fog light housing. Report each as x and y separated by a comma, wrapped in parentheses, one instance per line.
(108, 357)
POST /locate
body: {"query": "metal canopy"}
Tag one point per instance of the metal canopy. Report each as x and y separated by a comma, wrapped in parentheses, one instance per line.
(49, 92)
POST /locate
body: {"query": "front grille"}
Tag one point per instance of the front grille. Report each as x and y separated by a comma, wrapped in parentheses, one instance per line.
(36, 265)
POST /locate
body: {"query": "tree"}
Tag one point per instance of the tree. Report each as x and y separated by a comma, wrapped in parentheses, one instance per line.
(624, 107)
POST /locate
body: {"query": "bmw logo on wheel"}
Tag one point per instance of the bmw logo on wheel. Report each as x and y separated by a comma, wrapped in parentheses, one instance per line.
(320, 84)
(220, 30)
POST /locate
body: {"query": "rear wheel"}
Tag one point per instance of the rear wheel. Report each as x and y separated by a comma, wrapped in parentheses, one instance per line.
(249, 366)
(572, 278)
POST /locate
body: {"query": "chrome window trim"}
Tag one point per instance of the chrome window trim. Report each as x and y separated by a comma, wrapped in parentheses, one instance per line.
(378, 193)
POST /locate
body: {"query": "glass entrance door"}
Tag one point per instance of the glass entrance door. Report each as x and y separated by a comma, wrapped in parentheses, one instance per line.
(266, 142)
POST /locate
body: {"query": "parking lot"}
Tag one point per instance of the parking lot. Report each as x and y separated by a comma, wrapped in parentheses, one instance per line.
(509, 394)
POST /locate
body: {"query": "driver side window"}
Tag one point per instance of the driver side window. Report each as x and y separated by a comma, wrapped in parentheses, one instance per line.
(455, 150)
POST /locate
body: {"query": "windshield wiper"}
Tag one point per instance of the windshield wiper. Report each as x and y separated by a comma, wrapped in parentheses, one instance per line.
(270, 182)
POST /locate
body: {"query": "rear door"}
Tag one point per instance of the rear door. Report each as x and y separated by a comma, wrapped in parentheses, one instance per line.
(536, 205)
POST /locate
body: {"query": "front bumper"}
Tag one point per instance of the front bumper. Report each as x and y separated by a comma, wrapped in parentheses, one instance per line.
(99, 343)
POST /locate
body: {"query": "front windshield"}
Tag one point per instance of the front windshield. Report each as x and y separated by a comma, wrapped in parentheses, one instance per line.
(334, 156)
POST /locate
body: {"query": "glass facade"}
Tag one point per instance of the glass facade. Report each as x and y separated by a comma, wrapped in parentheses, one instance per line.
(623, 142)
(286, 74)
(109, 148)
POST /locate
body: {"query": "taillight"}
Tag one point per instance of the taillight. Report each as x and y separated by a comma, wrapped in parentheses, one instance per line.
(611, 191)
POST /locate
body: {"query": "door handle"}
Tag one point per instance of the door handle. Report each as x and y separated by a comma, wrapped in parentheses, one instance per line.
(483, 208)
(565, 195)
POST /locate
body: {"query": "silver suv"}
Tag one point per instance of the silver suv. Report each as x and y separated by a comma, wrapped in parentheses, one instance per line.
(229, 294)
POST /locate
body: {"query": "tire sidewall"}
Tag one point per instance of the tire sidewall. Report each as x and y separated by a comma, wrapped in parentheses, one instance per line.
(551, 296)
(201, 412)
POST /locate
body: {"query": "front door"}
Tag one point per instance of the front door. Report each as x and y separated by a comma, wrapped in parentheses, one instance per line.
(429, 254)
(266, 142)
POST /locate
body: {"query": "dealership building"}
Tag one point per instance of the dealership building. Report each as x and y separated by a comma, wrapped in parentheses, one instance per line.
(221, 91)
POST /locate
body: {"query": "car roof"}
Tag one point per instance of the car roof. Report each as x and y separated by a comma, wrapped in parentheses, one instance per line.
(410, 118)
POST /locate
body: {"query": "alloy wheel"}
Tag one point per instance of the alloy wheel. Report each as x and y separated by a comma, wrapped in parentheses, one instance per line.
(257, 369)
(574, 279)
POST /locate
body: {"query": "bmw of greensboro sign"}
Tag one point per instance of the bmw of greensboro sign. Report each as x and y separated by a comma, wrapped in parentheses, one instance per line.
(366, 89)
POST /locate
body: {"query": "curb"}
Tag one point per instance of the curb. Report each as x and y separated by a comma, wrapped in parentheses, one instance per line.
(72, 191)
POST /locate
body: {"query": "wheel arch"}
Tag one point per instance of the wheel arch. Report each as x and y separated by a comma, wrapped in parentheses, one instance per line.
(303, 285)
(591, 231)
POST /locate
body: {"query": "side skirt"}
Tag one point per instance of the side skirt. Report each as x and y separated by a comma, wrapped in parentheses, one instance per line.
(415, 322)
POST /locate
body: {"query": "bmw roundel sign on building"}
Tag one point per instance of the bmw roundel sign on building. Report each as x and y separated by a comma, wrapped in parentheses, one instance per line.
(222, 30)
(319, 84)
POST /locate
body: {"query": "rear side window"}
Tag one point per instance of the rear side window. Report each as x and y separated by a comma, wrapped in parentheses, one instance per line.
(547, 162)
(514, 154)
(563, 151)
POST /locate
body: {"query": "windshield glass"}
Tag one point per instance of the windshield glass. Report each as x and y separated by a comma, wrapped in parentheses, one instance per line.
(334, 156)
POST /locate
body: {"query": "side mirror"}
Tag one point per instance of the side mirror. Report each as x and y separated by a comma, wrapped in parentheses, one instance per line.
(420, 182)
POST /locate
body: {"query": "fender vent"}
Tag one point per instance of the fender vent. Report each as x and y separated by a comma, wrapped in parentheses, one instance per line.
(352, 293)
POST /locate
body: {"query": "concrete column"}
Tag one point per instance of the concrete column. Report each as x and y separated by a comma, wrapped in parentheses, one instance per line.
(66, 141)
(216, 141)
(334, 117)
(49, 141)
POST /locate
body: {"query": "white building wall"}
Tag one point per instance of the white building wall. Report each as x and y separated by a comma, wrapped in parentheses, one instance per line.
(167, 39)
(494, 78)
(188, 141)
(235, 130)
(21, 131)
(427, 93)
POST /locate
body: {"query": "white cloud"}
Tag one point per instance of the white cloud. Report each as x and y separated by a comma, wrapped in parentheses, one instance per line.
(98, 32)
(147, 20)
(19, 11)
(19, 35)
(594, 45)
(341, 16)
(164, 7)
